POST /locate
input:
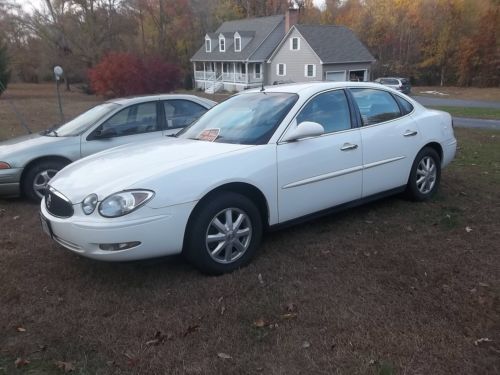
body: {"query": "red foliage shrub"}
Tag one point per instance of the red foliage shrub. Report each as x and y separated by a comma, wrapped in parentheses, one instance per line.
(124, 74)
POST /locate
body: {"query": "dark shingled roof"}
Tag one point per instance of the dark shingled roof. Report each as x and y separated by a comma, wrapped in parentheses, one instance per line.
(335, 44)
(265, 34)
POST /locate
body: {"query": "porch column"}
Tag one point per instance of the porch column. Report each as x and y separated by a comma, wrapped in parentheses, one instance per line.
(246, 70)
(204, 77)
(234, 74)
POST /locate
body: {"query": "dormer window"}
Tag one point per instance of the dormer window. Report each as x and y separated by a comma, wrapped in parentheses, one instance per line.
(208, 44)
(295, 44)
(222, 43)
(237, 43)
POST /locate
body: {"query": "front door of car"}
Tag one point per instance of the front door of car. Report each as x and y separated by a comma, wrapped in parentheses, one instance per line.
(135, 123)
(390, 140)
(320, 172)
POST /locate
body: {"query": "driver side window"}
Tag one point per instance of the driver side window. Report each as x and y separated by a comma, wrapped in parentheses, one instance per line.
(136, 119)
(330, 110)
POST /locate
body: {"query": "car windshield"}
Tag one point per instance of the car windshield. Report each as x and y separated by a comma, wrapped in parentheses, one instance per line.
(82, 122)
(249, 119)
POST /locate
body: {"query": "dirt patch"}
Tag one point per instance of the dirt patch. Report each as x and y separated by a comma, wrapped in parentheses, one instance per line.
(466, 93)
(391, 287)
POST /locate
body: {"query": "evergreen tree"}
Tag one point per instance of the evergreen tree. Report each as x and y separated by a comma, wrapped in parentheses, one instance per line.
(4, 71)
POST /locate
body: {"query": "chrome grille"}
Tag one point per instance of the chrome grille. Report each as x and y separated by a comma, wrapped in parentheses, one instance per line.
(57, 204)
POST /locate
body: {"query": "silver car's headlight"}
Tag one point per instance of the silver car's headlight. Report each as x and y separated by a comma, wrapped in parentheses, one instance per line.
(89, 204)
(124, 202)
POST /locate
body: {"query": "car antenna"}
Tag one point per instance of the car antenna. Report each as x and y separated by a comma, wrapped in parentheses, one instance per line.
(18, 114)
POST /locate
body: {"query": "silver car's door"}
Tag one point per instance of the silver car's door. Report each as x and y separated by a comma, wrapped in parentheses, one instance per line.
(324, 171)
(135, 123)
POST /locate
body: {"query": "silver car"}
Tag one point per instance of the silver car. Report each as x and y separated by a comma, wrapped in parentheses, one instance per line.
(28, 163)
(400, 84)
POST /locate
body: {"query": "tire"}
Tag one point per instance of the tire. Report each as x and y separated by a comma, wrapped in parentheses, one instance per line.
(425, 175)
(37, 176)
(244, 239)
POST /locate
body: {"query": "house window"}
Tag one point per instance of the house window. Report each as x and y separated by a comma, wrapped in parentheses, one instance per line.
(295, 44)
(310, 70)
(257, 72)
(222, 44)
(237, 43)
(281, 69)
(208, 45)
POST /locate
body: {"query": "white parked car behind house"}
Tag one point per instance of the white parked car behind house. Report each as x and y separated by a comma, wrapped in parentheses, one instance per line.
(261, 159)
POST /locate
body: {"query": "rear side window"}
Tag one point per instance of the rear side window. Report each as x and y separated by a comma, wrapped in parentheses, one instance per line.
(180, 113)
(375, 106)
(406, 106)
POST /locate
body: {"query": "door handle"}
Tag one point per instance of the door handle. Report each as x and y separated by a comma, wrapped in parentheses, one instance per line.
(410, 133)
(348, 146)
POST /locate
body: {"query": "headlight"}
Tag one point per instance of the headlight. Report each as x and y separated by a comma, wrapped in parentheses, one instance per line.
(89, 204)
(124, 202)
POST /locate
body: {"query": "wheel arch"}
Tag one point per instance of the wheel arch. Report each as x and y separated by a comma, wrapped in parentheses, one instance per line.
(42, 159)
(248, 190)
(436, 146)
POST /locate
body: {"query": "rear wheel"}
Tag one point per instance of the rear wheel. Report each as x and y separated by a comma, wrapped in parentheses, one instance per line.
(425, 175)
(37, 177)
(223, 234)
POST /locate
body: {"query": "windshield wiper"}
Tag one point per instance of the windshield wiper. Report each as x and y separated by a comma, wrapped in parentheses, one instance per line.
(172, 135)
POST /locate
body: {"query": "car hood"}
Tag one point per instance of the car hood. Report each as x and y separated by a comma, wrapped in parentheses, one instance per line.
(124, 167)
(12, 150)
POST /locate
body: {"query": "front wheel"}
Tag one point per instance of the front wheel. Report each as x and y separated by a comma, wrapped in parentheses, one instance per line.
(37, 177)
(425, 175)
(223, 234)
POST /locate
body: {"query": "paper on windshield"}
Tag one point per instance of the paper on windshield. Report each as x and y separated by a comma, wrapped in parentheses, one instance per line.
(209, 135)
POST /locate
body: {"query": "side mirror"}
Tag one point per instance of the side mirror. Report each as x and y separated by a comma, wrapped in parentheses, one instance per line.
(102, 134)
(303, 130)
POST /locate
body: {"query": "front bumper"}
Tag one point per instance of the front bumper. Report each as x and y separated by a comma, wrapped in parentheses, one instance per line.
(10, 179)
(159, 231)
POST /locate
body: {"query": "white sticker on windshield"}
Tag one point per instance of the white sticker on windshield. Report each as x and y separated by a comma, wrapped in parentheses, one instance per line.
(209, 135)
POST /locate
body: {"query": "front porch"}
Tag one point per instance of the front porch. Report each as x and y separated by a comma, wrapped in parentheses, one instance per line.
(230, 76)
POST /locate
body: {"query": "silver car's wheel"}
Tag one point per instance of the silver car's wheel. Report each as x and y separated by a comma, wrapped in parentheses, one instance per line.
(426, 174)
(41, 181)
(228, 235)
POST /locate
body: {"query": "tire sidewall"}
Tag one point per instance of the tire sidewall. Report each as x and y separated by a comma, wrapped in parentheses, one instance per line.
(412, 188)
(194, 245)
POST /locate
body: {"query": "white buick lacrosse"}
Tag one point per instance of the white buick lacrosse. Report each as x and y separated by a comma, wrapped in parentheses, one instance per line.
(259, 160)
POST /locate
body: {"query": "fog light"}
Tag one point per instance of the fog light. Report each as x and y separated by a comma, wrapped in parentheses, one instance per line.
(118, 246)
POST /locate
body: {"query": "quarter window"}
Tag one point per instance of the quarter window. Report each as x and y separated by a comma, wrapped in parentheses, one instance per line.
(405, 105)
(281, 69)
(375, 106)
(330, 109)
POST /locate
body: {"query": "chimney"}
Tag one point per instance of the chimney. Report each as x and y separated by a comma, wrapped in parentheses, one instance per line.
(291, 18)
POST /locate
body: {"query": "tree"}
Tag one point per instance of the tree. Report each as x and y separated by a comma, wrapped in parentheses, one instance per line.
(4, 67)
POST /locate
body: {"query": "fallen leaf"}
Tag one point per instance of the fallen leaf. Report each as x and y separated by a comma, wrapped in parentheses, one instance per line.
(224, 356)
(20, 329)
(289, 316)
(222, 310)
(16, 217)
(261, 281)
(259, 323)
(291, 307)
(65, 366)
(158, 338)
(306, 344)
(20, 362)
(481, 340)
(191, 329)
(483, 284)
(468, 229)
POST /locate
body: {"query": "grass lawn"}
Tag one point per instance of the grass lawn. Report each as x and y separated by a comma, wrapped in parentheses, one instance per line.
(472, 112)
(393, 287)
(466, 93)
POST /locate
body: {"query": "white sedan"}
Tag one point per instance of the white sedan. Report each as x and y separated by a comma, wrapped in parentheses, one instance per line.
(261, 159)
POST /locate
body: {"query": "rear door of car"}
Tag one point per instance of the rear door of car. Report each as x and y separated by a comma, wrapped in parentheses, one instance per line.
(390, 139)
(320, 172)
(135, 123)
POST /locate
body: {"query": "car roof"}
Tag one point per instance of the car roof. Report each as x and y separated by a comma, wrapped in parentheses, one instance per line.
(147, 98)
(316, 86)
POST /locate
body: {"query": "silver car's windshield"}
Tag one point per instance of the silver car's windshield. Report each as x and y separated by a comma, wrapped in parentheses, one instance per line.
(82, 122)
(249, 119)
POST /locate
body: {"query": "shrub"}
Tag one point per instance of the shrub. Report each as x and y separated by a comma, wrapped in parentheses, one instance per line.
(124, 74)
